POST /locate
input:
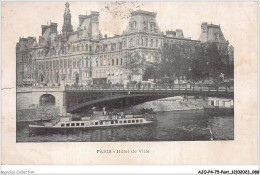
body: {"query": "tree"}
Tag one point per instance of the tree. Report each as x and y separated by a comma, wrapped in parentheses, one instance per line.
(208, 62)
(135, 64)
(150, 72)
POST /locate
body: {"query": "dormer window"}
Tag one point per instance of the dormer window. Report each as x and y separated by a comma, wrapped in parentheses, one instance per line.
(152, 27)
(145, 26)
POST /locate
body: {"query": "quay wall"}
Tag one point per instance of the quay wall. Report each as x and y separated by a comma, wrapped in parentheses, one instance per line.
(173, 104)
(24, 100)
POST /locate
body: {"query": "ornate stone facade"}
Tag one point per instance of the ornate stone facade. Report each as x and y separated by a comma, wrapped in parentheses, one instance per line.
(84, 56)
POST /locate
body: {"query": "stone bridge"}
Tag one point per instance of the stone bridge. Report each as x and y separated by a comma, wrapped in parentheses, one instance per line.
(73, 99)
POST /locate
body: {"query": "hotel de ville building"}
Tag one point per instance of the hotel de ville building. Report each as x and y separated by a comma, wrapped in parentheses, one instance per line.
(84, 56)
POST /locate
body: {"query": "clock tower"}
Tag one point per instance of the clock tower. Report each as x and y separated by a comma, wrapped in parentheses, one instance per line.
(67, 27)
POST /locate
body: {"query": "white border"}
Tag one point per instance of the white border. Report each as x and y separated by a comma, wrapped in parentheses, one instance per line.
(126, 169)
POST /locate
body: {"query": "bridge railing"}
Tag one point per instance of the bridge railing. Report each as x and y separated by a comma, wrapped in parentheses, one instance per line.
(190, 87)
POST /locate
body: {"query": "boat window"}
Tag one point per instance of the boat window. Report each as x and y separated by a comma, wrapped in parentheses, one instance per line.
(77, 124)
(129, 121)
(101, 123)
(62, 124)
(72, 124)
(137, 121)
(67, 124)
(96, 123)
(82, 124)
(124, 121)
(112, 122)
(120, 121)
(133, 121)
(141, 120)
(116, 122)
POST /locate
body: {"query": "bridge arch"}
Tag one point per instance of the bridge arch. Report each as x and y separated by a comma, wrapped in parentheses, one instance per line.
(47, 100)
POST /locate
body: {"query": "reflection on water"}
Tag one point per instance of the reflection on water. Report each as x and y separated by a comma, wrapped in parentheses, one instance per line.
(171, 126)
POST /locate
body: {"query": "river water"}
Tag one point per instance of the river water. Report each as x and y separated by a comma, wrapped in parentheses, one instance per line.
(194, 125)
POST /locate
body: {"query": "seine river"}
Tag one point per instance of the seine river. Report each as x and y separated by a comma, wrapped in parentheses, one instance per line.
(171, 126)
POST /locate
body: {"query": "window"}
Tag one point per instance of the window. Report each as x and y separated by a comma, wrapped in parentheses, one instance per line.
(129, 121)
(141, 120)
(116, 122)
(133, 121)
(112, 62)
(112, 122)
(116, 61)
(72, 124)
(223, 103)
(151, 42)
(124, 121)
(82, 124)
(62, 124)
(67, 124)
(120, 122)
(92, 123)
(61, 64)
(96, 123)
(77, 124)
(101, 123)
(212, 103)
(137, 121)
(65, 64)
(87, 123)
(217, 103)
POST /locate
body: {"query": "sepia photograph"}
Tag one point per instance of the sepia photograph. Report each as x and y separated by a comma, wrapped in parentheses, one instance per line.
(129, 83)
(142, 79)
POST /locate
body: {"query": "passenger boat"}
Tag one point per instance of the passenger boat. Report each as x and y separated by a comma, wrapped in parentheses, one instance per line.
(65, 123)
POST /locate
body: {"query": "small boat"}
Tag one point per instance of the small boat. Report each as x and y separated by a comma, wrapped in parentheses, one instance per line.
(65, 123)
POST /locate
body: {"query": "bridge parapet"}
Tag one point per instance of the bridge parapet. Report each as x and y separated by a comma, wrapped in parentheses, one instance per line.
(47, 88)
(194, 88)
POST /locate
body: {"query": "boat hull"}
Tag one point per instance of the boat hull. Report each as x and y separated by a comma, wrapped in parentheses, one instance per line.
(42, 130)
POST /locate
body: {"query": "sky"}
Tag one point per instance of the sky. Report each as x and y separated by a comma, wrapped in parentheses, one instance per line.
(187, 16)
